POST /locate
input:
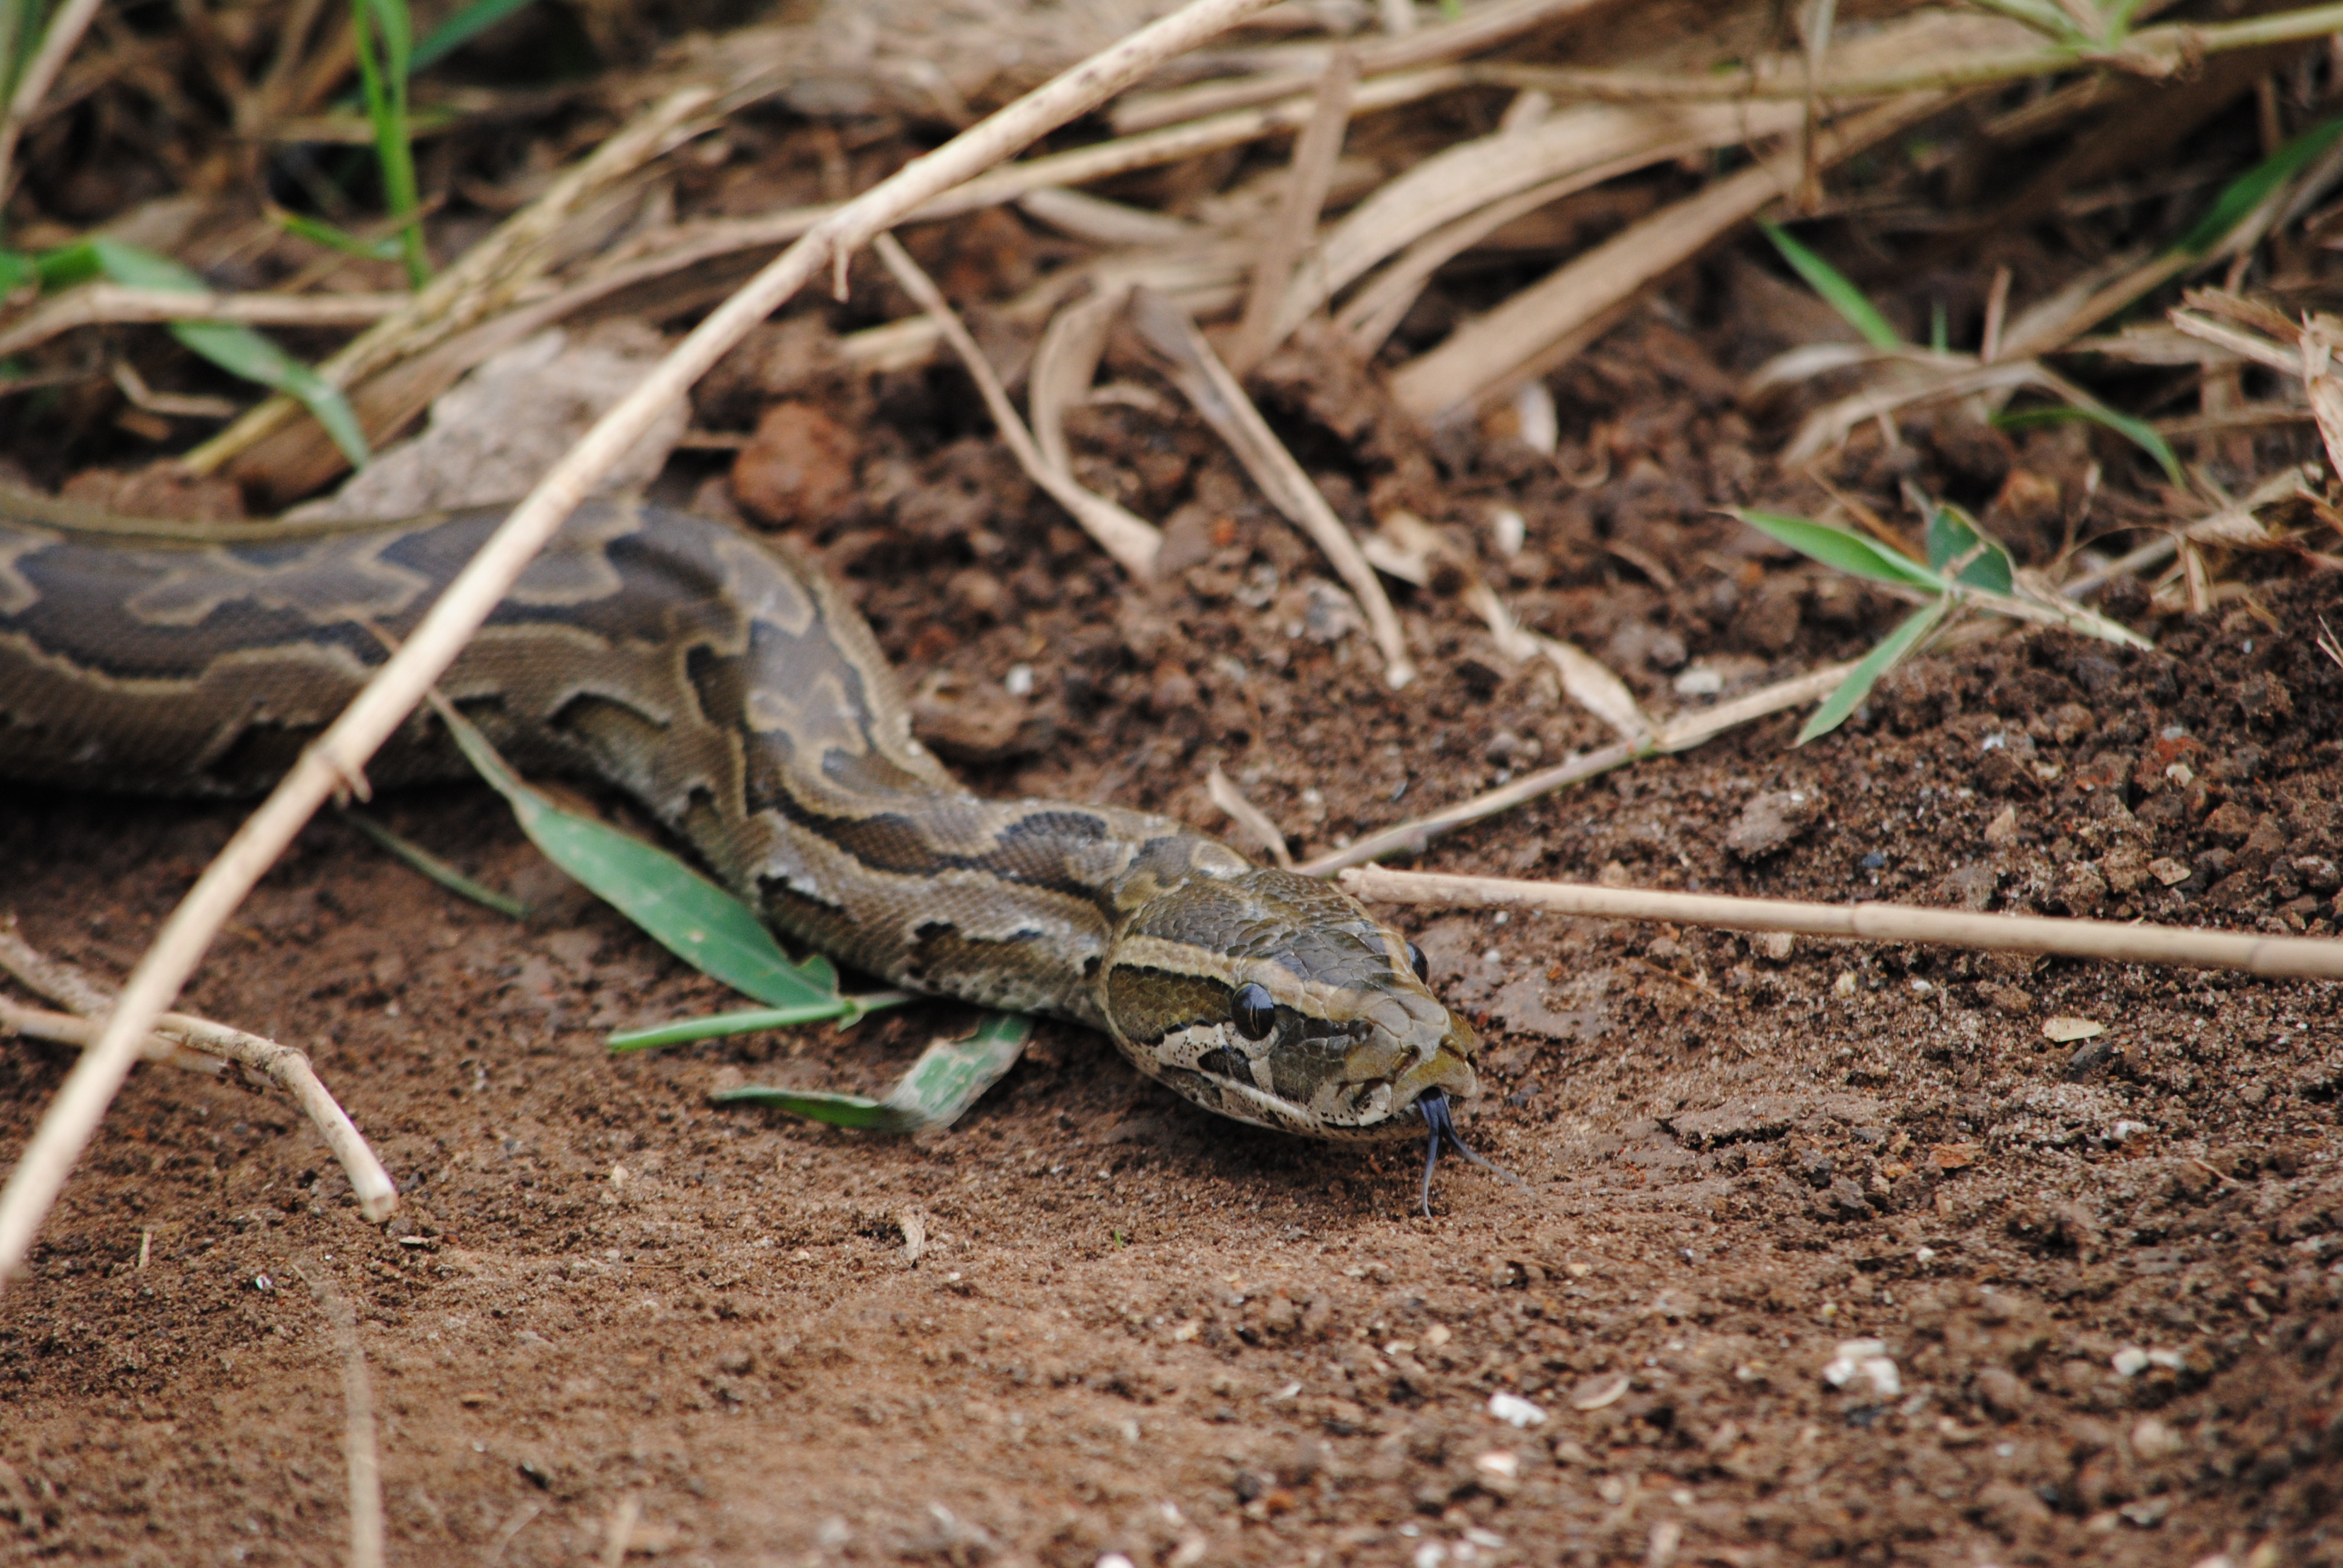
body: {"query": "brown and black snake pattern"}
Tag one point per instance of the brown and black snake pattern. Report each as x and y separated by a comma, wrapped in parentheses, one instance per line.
(734, 693)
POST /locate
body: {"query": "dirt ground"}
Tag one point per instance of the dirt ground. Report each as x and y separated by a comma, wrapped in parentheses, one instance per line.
(2102, 1275)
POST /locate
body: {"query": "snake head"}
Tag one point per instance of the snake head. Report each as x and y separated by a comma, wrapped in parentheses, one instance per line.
(1277, 999)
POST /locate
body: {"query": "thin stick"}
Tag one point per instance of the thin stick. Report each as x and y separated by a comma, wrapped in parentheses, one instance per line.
(1206, 382)
(1132, 542)
(362, 1457)
(97, 304)
(176, 1033)
(2185, 947)
(1316, 151)
(335, 761)
(1680, 734)
(64, 31)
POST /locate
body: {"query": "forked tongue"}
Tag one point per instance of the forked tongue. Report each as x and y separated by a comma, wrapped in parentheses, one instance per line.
(1432, 1106)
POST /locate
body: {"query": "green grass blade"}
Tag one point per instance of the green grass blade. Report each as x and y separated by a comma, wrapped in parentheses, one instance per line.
(237, 349)
(2241, 196)
(241, 351)
(384, 81)
(1850, 553)
(1954, 535)
(848, 1010)
(410, 853)
(17, 270)
(335, 236)
(1835, 290)
(1877, 663)
(467, 22)
(2138, 432)
(943, 1084)
(682, 910)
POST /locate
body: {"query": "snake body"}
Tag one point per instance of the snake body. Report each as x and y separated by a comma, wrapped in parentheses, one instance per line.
(733, 692)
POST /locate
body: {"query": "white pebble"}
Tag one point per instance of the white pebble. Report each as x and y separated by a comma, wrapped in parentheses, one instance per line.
(2129, 1362)
(1515, 1411)
(1509, 531)
(1020, 682)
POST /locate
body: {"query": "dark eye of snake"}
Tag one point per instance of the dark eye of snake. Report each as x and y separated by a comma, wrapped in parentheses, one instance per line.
(1252, 1012)
(1416, 961)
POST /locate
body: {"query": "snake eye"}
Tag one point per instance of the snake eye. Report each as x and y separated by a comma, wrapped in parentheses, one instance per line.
(1416, 961)
(1252, 1011)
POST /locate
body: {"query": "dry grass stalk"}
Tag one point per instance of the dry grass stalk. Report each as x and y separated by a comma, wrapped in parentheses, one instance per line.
(1131, 540)
(1544, 324)
(335, 761)
(361, 1451)
(1201, 377)
(58, 43)
(1315, 152)
(188, 1040)
(1248, 815)
(2275, 957)
(1565, 152)
(2156, 54)
(486, 279)
(1679, 734)
(1482, 27)
(98, 304)
(690, 244)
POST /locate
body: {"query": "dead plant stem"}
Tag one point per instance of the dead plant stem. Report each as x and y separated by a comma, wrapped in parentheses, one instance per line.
(2275, 957)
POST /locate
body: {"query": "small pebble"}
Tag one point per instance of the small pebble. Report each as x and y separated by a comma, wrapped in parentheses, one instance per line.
(1515, 1411)
(1019, 681)
(2129, 1362)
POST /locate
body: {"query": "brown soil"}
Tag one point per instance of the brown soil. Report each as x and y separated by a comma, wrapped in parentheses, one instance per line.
(2105, 1271)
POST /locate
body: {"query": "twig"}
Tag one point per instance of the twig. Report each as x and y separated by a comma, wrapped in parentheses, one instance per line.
(2274, 957)
(173, 1033)
(97, 304)
(337, 761)
(361, 1455)
(1679, 734)
(64, 31)
(1206, 382)
(1248, 815)
(1132, 542)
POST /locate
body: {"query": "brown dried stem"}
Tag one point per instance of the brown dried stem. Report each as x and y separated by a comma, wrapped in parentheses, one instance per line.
(2275, 957)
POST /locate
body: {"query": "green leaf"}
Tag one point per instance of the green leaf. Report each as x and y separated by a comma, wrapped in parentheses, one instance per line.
(336, 236)
(2138, 432)
(17, 270)
(1877, 663)
(241, 351)
(2241, 196)
(1952, 536)
(684, 912)
(1850, 553)
(1836, 291)
(753, 1020)
(467, 22)
(235, 349)
(943, 1084)
(412, 854)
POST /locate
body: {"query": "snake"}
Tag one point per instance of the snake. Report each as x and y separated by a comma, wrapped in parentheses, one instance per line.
(728, 686)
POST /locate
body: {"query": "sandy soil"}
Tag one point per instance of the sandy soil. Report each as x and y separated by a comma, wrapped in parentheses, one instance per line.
(2102, 1276)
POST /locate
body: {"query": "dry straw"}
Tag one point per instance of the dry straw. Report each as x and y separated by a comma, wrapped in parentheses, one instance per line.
(2275, 957)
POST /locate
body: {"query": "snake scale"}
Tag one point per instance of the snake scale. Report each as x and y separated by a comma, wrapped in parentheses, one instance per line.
(732, 691)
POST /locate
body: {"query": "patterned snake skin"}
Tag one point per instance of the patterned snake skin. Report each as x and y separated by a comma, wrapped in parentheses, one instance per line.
(734, 693)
